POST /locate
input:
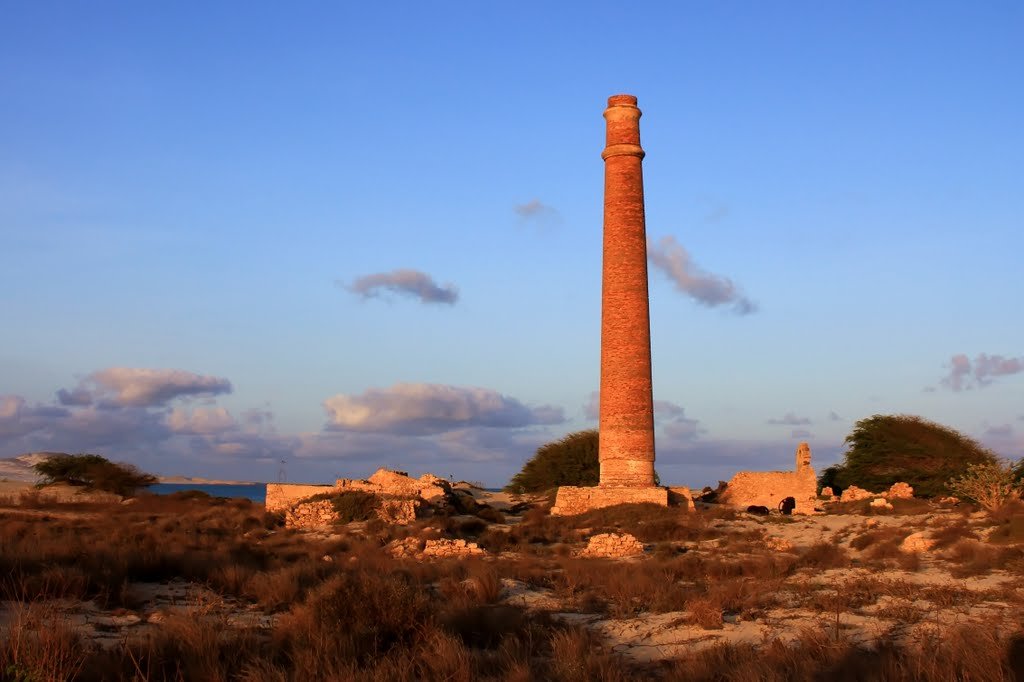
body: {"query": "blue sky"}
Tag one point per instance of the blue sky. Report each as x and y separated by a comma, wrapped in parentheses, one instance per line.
(353, 235)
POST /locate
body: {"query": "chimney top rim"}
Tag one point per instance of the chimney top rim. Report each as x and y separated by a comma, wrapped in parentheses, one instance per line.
(622, 100)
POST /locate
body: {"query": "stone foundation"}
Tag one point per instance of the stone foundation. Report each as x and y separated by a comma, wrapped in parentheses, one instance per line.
(572, 500)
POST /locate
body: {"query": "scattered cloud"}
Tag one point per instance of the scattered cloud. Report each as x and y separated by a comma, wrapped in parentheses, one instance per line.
(999, 431)
(790, 419)
(800, 433)
(77, 397)
(420, 409)
(963, 374)
(537, 210)
(200, 421)
(405, 282)
(592, 408)
(833, 417)
(707, 289)
(141, 387)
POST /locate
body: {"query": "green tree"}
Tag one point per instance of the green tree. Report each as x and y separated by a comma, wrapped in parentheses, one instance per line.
(990, 484)
(884, 449)
(93, 471)
(570, 460)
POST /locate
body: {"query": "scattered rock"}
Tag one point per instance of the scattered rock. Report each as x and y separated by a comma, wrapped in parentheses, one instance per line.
(881, 503)
(827, 492)
(900, 491)
(612, 545)
(451, 548)
(916, 543)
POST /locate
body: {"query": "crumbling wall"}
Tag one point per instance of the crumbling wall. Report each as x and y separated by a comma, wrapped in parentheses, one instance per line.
(572, 500)
(282, 496)
(769, 488)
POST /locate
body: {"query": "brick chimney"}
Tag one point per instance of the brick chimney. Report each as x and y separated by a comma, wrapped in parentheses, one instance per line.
(626, 401)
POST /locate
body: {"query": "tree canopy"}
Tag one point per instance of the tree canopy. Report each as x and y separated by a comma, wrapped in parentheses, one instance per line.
(570, 460)
(93, 471)
(884, 449)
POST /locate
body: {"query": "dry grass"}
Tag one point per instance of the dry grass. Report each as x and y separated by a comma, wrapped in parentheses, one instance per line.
(346, 610)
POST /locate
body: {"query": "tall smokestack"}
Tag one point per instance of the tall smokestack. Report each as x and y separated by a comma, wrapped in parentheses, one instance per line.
(626, 400)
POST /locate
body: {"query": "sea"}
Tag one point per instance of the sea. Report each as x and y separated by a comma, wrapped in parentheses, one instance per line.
(257, 492)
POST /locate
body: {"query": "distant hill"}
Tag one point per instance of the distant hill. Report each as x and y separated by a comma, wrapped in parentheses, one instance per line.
(20, 468)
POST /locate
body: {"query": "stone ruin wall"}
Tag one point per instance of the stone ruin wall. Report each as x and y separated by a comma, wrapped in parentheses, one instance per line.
(769, 488)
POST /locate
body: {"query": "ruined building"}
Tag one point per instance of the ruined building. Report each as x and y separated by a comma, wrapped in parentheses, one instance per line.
(769, 488)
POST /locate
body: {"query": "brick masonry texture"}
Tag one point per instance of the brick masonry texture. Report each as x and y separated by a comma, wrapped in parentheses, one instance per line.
(626, 448)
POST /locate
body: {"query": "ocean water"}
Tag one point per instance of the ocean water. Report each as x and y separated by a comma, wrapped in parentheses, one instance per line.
(256, 492)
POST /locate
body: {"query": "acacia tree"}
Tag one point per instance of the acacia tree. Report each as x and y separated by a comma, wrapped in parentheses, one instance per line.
(884, 449)
(93, 471)
(570, 460)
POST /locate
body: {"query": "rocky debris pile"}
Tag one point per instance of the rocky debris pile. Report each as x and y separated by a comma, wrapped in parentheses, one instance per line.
(827, 492)
(778, 544)
(451, 548)
(399, 484)
(900, 491)
(853, 494)
(317, 514)
(416, 548)
(612, 545)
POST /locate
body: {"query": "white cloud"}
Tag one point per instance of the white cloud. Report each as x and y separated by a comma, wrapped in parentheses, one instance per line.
(142, 387)
(418, 409)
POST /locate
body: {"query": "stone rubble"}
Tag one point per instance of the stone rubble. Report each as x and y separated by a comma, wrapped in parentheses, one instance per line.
(881, 503)
(853, 494)
(612, 545)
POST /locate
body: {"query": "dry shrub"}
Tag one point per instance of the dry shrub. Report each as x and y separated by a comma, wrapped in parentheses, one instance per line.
(578, 656)
(877, 536)
(824, 555)
(974, 558)
(705, 612)
(39, 643)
